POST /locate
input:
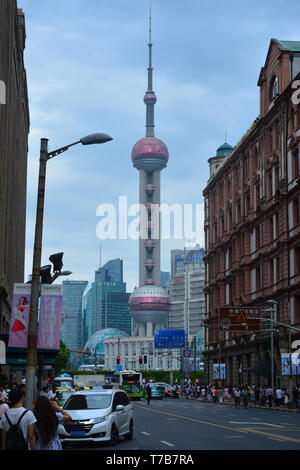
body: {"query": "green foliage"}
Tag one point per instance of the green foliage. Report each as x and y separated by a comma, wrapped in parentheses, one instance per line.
(62, 358)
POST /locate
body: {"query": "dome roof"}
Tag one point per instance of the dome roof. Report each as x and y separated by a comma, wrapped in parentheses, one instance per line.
(150, 154)
(95, 343)
(224, 150)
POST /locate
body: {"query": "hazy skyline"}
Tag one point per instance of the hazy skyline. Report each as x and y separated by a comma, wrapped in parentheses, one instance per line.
(86, 66)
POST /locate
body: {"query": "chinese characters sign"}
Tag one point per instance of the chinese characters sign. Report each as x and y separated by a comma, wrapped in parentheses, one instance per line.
(239, 319)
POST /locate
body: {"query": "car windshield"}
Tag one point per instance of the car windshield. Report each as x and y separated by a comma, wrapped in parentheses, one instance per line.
(63, 384)
(88, 402)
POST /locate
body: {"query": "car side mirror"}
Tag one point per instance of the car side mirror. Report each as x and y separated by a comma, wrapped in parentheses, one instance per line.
(120, 408)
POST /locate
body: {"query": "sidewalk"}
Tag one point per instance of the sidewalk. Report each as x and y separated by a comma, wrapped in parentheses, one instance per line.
(231, 402)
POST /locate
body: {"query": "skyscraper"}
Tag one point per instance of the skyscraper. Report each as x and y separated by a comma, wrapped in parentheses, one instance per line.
(111, 271)
(105, 301)
(149, 304)
(72, 314)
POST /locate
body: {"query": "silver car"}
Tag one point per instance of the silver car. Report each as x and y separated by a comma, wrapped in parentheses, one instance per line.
(98, 416)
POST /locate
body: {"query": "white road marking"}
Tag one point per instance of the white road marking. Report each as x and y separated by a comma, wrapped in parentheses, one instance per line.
(265, 424)
(146, 433)
(167, 443)
(289, 424)
(274, 439)
(255, 418)
(233, 437)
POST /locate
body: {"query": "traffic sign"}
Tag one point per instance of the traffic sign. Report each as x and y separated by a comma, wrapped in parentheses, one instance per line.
(239, 318)
(169, 339)
(118, 369)
(187, 353)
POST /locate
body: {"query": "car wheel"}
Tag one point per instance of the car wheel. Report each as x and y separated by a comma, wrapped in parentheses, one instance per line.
(129, 436)
(114, 436)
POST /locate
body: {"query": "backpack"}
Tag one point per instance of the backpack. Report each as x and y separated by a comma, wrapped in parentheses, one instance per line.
(14, 437)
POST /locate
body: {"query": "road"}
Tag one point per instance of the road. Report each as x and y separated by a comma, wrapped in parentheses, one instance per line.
(194, 425)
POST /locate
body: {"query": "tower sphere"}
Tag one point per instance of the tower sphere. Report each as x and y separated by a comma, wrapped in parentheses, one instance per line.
(149, 304)
(150, 97)
(150, 154)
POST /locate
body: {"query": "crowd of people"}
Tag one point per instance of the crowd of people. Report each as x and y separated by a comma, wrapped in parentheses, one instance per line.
(25, 429)
(245, 394)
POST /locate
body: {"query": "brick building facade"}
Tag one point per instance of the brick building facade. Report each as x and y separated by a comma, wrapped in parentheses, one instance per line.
(252, 226)
(14, 128)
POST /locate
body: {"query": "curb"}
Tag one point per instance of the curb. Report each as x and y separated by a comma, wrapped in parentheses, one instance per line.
(231, 403)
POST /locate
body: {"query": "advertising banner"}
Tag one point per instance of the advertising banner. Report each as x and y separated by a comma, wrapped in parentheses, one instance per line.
(50, 317)
(219, 371)
(18, 331)
(289, 366)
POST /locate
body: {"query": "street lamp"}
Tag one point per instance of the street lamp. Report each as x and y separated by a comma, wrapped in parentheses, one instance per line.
(274, 317)
(37, 251)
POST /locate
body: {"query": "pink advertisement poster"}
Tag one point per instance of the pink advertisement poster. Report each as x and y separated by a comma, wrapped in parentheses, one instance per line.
(20, 316)
(50, 317)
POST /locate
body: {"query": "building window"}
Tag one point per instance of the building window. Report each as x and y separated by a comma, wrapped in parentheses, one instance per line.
(247, 204)
(270, 184)
(297, 260)
(257, 238)
(258, 278)
(296, 212)
(295, 163)
(134, 349)
(126, 349)
(277, 269)
(271, 272)
(274, 89)
(271, 230)
(238, 212)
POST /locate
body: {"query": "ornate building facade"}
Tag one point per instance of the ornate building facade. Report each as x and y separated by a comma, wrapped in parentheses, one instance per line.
(14, 128)
(252, 227)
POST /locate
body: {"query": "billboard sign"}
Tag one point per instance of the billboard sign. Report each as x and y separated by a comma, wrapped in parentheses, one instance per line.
(288, 365)
(50, 317)
(18, 331)
(239, 318)
(169, 339)
(219, 371)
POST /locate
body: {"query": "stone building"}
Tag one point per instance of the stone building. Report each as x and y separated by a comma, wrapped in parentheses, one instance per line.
(14, 128)
(252, 226)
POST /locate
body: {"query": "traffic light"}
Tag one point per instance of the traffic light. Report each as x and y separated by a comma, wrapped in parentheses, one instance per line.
(145, 359)
(140, 359)
(45, 272)
(56, 260)
(118, 359)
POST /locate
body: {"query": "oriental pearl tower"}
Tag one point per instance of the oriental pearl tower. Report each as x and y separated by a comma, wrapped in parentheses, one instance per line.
(149, 304)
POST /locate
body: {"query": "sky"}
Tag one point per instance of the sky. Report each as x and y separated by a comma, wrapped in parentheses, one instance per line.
(86, 63)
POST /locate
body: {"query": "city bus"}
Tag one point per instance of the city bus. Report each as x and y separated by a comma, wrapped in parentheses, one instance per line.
(130, 381)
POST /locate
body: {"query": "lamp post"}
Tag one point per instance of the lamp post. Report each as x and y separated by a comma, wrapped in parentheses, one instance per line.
(37, 252)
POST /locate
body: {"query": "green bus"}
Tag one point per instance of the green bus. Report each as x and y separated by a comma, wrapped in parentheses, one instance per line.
(132, 382)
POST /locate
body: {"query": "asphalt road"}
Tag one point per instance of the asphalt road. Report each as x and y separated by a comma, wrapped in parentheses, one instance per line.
(194, 425)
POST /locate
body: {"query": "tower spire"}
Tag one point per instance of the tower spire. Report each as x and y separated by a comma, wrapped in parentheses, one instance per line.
(150, 98)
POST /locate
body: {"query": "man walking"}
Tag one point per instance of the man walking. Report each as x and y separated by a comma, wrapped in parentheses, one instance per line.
(148, 393)
(23, 436)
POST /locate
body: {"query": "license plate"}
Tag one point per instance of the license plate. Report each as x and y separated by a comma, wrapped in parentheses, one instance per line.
(77, 433)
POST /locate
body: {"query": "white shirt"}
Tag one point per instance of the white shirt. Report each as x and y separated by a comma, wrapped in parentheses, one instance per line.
(14, 414)
(279, 393)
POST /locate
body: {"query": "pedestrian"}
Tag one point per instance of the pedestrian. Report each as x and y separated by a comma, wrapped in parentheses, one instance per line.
(237, 397)
(3, 394)
(279, 395)
(216, 395)
(230, 392)
(256, 395)
(48, 415)
(3, 408)
(17, 424)
(245, 397)
(148, 393)
(269, 394)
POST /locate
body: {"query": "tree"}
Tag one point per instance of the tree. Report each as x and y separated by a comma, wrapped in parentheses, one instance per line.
(62, 358)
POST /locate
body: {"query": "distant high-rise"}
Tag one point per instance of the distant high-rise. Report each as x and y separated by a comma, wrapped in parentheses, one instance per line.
(149, 304)
(164, 278)
(105, 301)
(72, 314)
(111, 271)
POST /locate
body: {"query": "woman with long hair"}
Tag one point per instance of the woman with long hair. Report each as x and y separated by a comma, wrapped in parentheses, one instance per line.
(48, 416)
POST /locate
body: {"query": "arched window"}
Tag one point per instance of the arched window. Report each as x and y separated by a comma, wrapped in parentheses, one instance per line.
(274, 90)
